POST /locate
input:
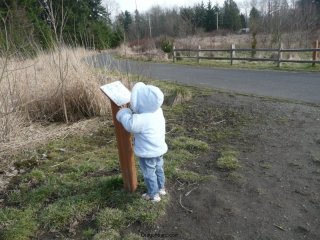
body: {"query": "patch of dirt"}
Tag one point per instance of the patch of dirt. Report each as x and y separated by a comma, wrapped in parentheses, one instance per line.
(275, 193)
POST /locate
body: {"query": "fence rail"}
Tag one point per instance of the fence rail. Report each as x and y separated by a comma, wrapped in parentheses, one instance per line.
(232, 54)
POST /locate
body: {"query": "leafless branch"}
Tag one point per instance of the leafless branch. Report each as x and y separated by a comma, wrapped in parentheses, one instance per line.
(187, 209)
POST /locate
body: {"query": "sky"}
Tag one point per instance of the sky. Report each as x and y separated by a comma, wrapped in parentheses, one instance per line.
(144, 5)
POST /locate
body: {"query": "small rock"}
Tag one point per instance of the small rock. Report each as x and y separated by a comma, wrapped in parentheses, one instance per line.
(62, 150)
(22, 171)
(302, 229)
(9, 174)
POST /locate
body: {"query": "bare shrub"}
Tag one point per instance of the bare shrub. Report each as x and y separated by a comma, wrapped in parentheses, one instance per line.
(31, 91)
(142, 45)
(82, 96)
(146, 55)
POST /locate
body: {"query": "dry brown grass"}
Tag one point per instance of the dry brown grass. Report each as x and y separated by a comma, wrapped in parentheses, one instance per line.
(147, 54)
(289, 40)
(31, 92)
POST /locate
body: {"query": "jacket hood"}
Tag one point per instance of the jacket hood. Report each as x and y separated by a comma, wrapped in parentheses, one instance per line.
(145, 98)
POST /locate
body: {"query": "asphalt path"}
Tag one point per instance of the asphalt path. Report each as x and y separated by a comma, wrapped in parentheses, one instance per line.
(298, 86)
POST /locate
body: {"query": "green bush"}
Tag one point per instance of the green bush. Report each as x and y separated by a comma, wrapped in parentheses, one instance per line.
(166, 46)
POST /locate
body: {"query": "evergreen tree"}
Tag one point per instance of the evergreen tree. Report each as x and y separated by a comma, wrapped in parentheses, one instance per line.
(22, 27)
(127, 20)
(210, 20)
(137, 22)
(254, 20)
(254, 23)
(124, 20)
(30, 23)
(231, 15)
(200, 15)
(243, 21)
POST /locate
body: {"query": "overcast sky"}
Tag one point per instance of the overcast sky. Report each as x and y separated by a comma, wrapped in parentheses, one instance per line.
(144, 5)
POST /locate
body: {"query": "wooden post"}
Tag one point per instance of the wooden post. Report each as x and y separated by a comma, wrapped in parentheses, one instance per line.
(127, 163)
(280, 55)
(174, 53)
(198, 55)
(232, 53)
(315, 53)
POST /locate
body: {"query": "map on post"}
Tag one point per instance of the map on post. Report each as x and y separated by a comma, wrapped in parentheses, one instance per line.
(117, 92)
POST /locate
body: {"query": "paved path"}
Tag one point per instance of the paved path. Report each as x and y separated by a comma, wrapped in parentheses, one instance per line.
(287, 85)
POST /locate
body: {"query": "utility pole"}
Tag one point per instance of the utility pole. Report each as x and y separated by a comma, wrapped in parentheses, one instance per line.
(150, 27)
(217, 20)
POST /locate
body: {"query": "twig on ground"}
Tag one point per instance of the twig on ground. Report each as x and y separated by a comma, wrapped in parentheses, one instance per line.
(187, 194)
(170, 130)
(181, 185)
(57, 164)
(216, 123)
(187, 209)
(279, 227)
(180, 182)
(66, 136)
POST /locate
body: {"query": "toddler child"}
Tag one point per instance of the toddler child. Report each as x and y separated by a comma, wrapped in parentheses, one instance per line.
(146, 121)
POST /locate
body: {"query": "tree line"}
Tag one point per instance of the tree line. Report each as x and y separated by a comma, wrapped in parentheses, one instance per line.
(273, 17)
(26, 25)
(31, 24)
(183, 21)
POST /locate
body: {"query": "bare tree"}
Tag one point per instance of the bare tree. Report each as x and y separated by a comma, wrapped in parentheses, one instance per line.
(58, 25)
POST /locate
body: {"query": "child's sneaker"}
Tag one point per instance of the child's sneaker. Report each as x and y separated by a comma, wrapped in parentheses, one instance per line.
(156, 197)
(162, 192)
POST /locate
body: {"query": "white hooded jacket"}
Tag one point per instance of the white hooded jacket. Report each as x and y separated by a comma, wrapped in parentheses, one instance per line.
(145, 120)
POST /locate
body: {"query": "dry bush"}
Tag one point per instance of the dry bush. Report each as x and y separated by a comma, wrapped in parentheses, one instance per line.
(146, 55)
(214, 41)
(142, 45)
(31, 91)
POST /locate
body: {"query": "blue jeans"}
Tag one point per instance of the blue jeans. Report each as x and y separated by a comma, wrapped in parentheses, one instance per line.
(152, 170)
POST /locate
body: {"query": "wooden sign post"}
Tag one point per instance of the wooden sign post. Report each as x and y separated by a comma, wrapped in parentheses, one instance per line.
(119, 95)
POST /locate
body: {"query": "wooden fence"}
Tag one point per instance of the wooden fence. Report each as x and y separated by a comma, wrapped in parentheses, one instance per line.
(277, 57)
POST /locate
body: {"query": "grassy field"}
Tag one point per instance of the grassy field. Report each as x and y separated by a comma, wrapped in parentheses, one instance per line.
(67, 183)
(295, 67)
(72, 186)
(224, 42)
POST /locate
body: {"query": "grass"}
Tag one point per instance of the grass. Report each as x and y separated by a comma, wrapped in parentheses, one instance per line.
(78, 182)
(72, 186)
(228, 160)
(189, 144)
(254, 65)
(18, 223)
(297, 67)
(51, 90)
